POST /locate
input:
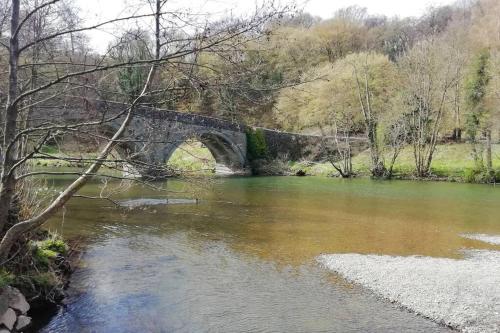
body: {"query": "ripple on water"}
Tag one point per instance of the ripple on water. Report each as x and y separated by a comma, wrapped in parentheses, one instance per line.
(246, 266)
(169, 284)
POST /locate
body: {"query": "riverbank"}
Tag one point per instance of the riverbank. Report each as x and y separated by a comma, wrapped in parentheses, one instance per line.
(36, 280)
(460, 293)
(452, 162)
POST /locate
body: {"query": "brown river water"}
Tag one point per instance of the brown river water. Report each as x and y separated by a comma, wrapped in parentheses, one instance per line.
(242, 257)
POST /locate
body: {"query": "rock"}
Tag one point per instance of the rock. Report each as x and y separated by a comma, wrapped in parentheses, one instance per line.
(4, 330)
(4, 302)
(23, 322)
(17, 301)
(8, 318)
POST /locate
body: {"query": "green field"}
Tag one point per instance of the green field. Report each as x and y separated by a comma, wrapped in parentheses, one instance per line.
(192, 157)
(452, 161)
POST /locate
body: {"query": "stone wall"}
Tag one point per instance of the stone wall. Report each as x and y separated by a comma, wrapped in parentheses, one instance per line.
(296, 147)
(155, 133)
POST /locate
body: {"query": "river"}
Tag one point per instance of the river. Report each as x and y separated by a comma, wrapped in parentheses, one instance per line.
(243, 257)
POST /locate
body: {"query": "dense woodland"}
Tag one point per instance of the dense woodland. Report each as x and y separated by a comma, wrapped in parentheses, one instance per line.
(396, 81)
(412, 81)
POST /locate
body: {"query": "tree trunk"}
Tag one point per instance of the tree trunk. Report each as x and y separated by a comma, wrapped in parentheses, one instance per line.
(20, 228)
(477, 155)
(489, 160)
(7, 178)
(364, 93)
(157, 29)
(378, 168)
(457, 131)
(457, 134)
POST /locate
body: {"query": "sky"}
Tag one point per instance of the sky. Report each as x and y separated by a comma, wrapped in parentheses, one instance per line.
(100, 10)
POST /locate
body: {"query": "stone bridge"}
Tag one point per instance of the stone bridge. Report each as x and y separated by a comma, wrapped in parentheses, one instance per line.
(155, 134)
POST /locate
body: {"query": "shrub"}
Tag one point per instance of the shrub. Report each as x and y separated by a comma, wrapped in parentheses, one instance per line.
(53, 244)
(256, 144)
(48, 249)
(6, 278)
(43, 256)
(472, 175)
(480, 175)
(45, 280)
(497, 175)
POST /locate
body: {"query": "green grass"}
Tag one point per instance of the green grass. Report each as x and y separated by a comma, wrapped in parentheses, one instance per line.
(48, 249)
(45, 280)
(192, 157)
(452, 161)
(54, 244)
(6, 278)
(59, 163)
(38, 273)
(313, 169)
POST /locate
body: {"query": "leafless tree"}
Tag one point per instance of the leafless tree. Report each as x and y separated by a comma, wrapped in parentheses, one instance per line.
(429, 72)
(43, 70)
(396, 139)
(339, 136)
(365, 96)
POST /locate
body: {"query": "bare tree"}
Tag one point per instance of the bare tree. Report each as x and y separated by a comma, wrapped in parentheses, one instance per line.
(365, 96)
(339, 136)
(56, 75)
(375, 81)
(396, 139)
(429, 72)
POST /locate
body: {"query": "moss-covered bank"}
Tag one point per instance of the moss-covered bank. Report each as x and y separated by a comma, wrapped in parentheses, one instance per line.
(39, 266)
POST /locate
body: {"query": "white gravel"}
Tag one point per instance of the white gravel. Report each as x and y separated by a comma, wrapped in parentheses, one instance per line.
(495, 240)
(463, 294)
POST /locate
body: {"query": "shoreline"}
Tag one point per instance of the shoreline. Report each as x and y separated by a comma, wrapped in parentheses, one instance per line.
(462, 294)
(46, 310)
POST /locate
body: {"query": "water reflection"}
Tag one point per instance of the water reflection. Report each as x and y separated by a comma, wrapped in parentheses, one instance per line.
(241, 260)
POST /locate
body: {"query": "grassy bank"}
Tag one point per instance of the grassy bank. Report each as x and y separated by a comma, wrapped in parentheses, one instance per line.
(452, 162)
(42, 271)
(192, 157)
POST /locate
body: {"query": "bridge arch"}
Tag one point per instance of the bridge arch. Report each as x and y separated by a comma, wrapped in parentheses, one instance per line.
(153, 135)
(229, 157)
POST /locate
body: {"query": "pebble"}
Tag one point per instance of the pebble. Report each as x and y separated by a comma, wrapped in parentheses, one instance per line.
(461, 293)
(8, 318)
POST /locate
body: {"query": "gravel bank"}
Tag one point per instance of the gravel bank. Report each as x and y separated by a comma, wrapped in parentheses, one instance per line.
(495, 240)
(463, 294)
